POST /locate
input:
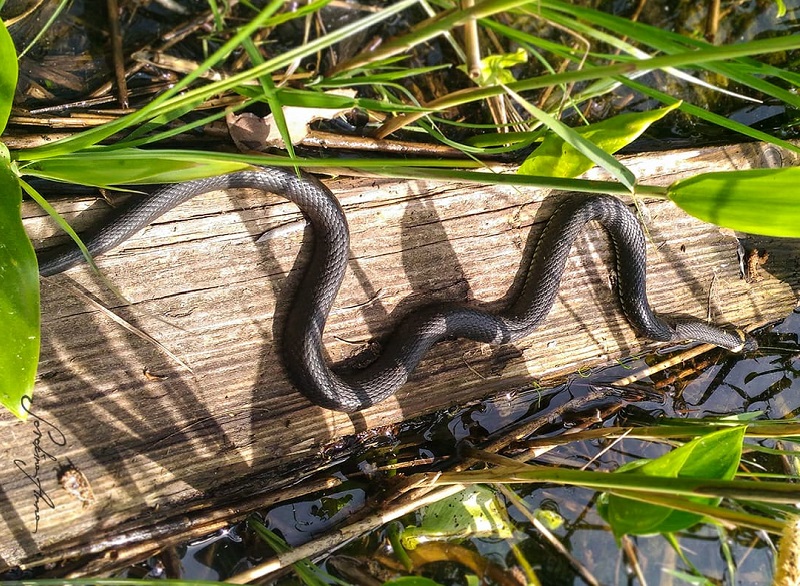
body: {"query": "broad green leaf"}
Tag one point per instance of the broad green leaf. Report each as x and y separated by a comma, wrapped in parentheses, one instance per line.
(758, 201)
(556, 158)
(19, 297)
(713, 456)
(8, 75)
(104, 168)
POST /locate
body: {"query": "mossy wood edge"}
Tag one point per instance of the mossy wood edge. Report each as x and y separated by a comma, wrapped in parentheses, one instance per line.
(162, 446)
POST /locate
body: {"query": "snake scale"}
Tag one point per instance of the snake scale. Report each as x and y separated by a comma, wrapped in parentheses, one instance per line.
(302, 346)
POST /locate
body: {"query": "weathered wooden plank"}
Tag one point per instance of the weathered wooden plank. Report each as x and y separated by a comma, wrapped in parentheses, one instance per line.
(155, 439)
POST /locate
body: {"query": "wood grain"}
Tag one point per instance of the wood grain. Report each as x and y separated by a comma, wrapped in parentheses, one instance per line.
(211, 281)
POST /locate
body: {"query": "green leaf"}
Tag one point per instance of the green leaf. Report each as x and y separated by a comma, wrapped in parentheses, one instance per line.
(555, 158)
(8, 75)
(580, 145)
(758, 201)
(713, 456)
(495, 68)
(473, 512)
(19, 297)
(104, 168)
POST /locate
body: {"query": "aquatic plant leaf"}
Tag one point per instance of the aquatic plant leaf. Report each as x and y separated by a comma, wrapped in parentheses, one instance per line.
(473, 512)
(8, 75)
(713, 456)
(19, 297)
(556, 158)
(758, 201)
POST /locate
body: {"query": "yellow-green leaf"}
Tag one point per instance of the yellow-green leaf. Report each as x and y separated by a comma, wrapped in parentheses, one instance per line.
(495, 69)
(556, 158)
(758, 201)
(473, 512)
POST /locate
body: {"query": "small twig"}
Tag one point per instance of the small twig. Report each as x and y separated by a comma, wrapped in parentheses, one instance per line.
(191, 523)
(629, 550)
(116, 52)
(677, 359)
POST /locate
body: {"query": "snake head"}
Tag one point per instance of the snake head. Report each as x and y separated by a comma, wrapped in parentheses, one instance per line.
(749, 344)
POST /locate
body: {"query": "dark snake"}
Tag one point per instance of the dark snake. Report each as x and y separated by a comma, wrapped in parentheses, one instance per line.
(403, 350)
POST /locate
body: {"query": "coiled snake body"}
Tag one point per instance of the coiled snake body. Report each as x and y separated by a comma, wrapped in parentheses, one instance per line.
(408, 344)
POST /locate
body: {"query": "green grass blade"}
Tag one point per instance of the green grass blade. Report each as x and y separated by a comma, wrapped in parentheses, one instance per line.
(686, 58)
(370, 78)
(767, 492)
(170, 100)
(309, 573)
(62, 223)
(704, 114)
(628, 52)
(672, 43)
(440, 24)
(543, 182)
(731, 199)
(271, 96)
(104, 168)
(208, 160)
(91, 137)
(146, 130)
(44, 28)
(171, 131)
(19, 298)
